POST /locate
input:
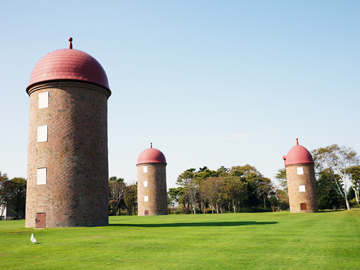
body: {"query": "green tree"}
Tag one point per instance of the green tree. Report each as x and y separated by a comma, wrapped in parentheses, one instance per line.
(203, 169)
(176, 194)
(245, 171)
(265, 187)
(328, 198)
(189, 182)
(210, 190)
(116, 192)
(130, 198)
(283, 199)
(351, 194)
(273, 201)
(204, 174)
(354, 172)
(191, 191)
(114, 178)
(185, 177)
(281, 177)
(251, 198)
(232, 190)
(240, 184)
(222, 171)
(336, 160)
(252, 178)
(15, 190)
(3, 194)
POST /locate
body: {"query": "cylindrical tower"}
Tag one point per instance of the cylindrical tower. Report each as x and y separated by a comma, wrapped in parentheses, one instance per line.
(301, 180)
(67, 183)
(152, 193)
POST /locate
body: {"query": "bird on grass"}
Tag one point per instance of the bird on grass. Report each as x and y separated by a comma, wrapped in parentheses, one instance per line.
(33, 240)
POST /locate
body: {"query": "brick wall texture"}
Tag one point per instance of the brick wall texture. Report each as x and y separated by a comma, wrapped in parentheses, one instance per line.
(156, 189)
(296, 197)
(75, 155)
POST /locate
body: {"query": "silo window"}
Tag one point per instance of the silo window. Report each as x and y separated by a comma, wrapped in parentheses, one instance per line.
(303, 206)
(300, 170)
(43, 100)
(145, 183)
(145, 169)
(42, 134)
(302, 188)
(41, 176)
(146, 198)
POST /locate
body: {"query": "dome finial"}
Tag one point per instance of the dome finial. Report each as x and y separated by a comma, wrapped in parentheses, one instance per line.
(151, 145)
(70, 43)
(297, 141)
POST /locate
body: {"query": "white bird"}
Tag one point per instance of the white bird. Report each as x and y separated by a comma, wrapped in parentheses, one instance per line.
(33, 240)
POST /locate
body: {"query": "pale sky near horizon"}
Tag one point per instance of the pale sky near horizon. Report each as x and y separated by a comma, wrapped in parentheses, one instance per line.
(210, 83)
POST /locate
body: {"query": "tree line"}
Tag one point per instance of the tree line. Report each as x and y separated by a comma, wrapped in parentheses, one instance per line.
(226, 189)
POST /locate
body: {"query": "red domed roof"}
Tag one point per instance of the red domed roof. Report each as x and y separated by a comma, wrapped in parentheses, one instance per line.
(151, 155)
(68, 64)
(298, 155)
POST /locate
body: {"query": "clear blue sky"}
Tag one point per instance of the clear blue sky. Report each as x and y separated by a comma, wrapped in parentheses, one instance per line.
(210, 83)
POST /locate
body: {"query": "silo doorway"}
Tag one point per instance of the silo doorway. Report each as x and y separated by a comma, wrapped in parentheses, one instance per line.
(40, 220)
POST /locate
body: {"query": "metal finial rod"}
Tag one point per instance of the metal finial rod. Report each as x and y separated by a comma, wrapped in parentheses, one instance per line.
(150, 145)
(70, 42)
(297, 141)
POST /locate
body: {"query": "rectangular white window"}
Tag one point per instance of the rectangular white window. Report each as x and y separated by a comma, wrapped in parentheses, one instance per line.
(146, 198)
(43, 100)
(41, 176)
(42, 134)
(300, 170)
(145, 183)
(302, 188)
(145, 169)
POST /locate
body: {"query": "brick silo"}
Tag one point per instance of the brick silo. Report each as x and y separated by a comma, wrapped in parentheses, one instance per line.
(67, 182)
(152, 193)
(301, 180)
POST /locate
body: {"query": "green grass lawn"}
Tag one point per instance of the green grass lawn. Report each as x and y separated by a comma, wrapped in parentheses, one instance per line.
(325, 240)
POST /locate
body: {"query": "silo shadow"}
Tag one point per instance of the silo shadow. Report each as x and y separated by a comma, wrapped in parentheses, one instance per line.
(197, 224)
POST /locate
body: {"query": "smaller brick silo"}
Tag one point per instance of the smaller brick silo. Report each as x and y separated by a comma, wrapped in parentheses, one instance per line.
(152, 192)
(301, 180)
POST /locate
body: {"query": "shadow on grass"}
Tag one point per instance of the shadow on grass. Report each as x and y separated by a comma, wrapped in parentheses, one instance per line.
(330, 210)
(198, 224)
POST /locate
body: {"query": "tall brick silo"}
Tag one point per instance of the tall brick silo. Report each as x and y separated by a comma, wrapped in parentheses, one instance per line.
(67, 178)
(301, 180)
(152, 193)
